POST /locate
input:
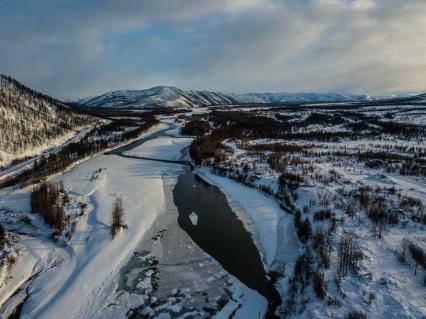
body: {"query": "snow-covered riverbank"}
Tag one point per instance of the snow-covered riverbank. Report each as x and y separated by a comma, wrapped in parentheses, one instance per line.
(165, 148)
(272, 229)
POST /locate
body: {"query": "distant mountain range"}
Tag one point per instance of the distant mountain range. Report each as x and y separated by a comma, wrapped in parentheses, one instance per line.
(168, 96)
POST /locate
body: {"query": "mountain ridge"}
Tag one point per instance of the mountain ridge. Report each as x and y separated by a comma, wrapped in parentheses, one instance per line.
(171, 96)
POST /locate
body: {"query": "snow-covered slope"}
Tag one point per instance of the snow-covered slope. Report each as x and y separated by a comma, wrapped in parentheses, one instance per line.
(304, 97)
(156, 96)
(31, 122)
(160, 96)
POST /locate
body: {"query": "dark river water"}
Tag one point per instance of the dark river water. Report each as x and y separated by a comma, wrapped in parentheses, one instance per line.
(221, 234)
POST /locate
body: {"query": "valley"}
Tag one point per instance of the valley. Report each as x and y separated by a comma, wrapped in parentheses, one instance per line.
(266, 211)
(196, 159)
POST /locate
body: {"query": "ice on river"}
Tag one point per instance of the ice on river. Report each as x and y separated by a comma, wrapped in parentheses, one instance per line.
(194, 218)
(164, 147)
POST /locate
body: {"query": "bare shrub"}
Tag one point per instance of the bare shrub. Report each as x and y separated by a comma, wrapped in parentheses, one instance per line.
(117, 220)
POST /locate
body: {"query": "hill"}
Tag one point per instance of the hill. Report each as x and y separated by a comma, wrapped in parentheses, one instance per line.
(32, 122)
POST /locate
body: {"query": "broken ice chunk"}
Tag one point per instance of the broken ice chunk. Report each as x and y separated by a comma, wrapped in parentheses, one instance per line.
(194, 218)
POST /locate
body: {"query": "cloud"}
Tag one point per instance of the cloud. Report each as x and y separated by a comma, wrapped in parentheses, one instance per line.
(322, 46)
(75, 48)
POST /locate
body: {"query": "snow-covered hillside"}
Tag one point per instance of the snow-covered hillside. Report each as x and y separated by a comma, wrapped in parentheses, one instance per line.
(174, 97)
(156, 96)
(32, 122)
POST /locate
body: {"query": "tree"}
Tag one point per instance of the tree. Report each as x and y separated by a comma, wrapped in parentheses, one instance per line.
(319, 285)
(61, 187)
(59, 215)
(117, 221)
(321, 242)
(308, 264)
(356, 315)
(2, 236)
(418, 255)
(297, 217)
(44, 201)
(349, 255)
(304, 230)
(351, 208)
(364, 197)
(404, 247)
(66, 198)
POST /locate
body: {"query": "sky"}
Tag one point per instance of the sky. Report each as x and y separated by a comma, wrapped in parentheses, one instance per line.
(76, 48)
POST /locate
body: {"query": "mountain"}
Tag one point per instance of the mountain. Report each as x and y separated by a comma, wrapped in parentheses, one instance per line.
(32, 122)
(161, 96)
(305, 97)
(421, 98)
(156, 97)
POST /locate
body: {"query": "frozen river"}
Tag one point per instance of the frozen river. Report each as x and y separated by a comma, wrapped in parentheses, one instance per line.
(164, 263)
(217, 230)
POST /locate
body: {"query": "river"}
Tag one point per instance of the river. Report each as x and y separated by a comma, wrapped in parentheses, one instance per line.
(218, 231)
